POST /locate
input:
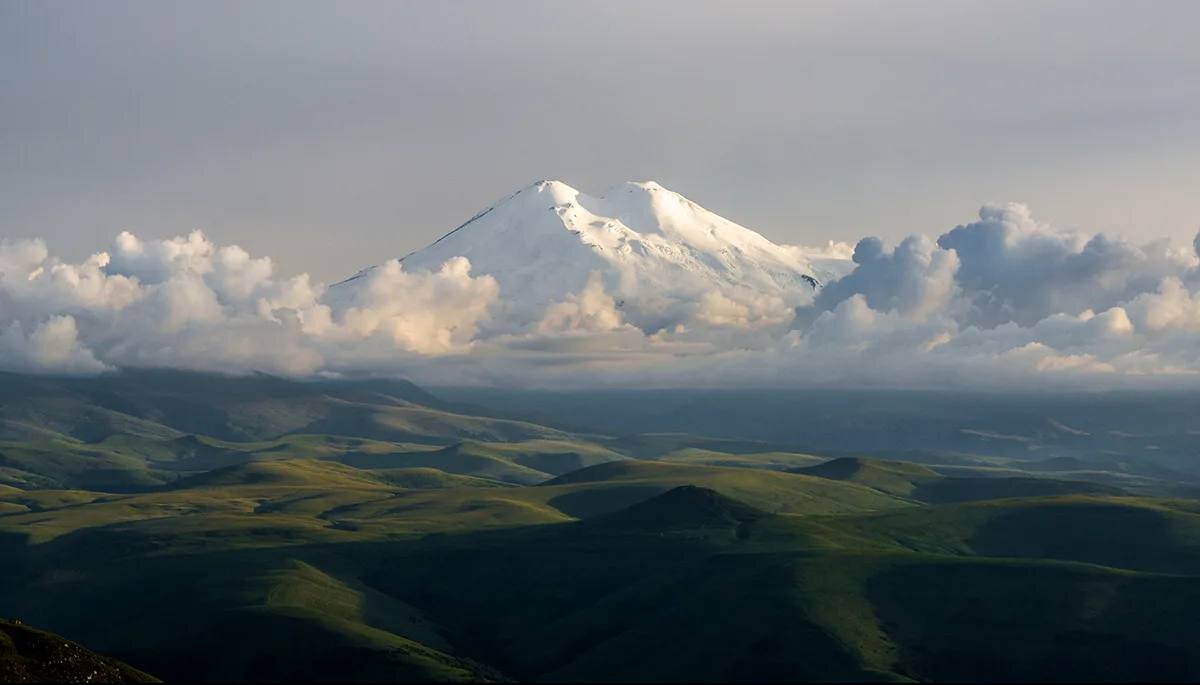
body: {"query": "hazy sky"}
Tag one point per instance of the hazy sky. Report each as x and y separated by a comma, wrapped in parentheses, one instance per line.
(333, 135)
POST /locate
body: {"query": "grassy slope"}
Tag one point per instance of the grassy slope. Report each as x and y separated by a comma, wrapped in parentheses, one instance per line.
(1125, 532)
(294, 569)
(590, 601)
(607, 487)
(126, 463)
(136, 430)
(924, 484)
(247, 542)
(779, 461)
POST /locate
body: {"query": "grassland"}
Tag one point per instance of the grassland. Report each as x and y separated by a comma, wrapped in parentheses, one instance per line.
(404, 539)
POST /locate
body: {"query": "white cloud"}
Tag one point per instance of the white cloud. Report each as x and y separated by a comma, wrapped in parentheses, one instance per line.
(590, 310)
(185, 302)
(743, 308)
(52, 346)
(1171, 308)
(1014, 268)
(426, 312)
(1005, 301)
(917, 278)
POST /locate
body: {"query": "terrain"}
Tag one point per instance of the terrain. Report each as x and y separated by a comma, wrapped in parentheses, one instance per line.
(224, 528)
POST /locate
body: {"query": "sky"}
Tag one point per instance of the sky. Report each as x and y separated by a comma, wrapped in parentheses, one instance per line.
(333, 135)
(1016, 184)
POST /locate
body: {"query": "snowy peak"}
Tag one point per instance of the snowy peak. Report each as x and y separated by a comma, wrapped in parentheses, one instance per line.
(654, 249)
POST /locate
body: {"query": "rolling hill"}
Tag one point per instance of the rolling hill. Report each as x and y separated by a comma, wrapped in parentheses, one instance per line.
(418, 541)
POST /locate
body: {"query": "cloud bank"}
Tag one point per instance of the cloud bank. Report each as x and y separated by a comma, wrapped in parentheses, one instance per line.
(1001, 302)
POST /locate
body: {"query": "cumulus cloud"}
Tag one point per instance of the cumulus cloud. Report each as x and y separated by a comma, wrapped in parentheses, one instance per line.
(590, 310)
(1004, 301)
(430, 312)
(743, 308)
(52, 346)
(1014, 268)
(185, 302)
(916, 278)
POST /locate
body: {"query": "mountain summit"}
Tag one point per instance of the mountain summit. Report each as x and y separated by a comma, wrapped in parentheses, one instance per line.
(649, 245)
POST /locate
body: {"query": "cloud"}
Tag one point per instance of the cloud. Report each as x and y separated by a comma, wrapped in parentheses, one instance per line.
(1002, 302)
(1171, 308)
(743, 308)
(1014, 268)
(590, 310)
(426, 312)
(52, 346)
(185, 302)
(915, 279)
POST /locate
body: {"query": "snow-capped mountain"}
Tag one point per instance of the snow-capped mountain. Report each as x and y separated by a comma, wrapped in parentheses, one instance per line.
(652, 248)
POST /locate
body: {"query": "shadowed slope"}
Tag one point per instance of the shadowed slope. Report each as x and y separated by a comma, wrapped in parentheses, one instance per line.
(28, 655)
(687, 506)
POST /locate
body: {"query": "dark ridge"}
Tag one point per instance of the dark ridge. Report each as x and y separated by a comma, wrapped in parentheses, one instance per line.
(687, 506)
(609, 470)
(28, 655)
(844, 468)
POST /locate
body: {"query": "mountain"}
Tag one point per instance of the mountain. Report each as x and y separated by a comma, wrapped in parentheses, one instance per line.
(651, 247)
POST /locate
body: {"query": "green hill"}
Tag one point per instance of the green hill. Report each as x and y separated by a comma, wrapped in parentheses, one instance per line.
(523, 462)
(310, 569)
(231, 529)
(137, 430)
(431, 479)
(291, 472)
(892, 477)
(924, 484)
(607, 487)
(588, 602)
(1121, 532)
(684, 507)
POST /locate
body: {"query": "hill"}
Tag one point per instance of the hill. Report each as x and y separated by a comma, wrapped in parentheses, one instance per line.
(927, 485)
(416, 542)
(820, 603)
(522, 462)
(169, 404)
(136, 430)
(307, 569)
(684, 507)
(606, 487)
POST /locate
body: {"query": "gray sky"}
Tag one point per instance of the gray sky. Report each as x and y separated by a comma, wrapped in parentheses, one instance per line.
(332, 135)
